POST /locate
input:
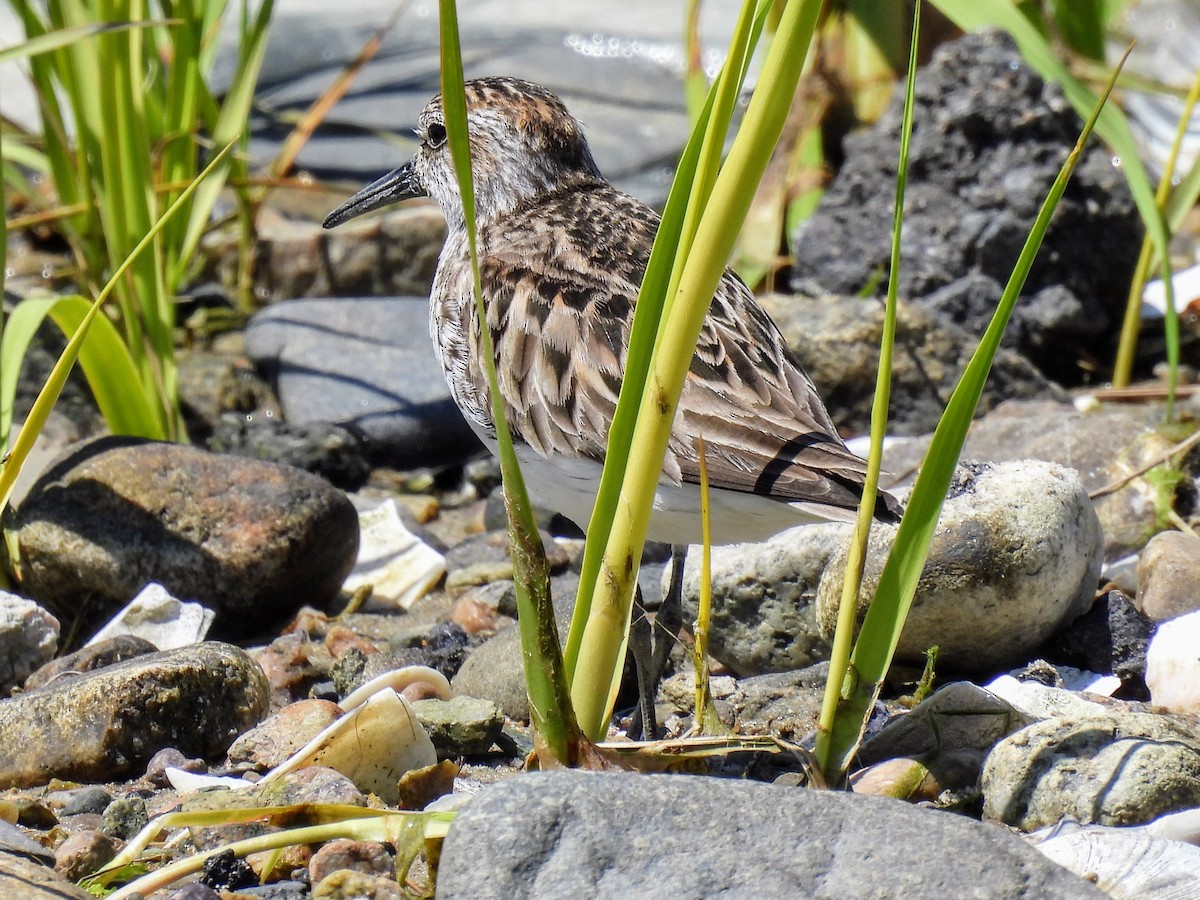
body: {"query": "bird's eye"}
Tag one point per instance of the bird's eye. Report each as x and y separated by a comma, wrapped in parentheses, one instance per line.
(436, 134)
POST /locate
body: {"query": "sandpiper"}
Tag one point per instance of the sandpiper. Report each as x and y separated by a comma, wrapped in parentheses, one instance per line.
(562, 253)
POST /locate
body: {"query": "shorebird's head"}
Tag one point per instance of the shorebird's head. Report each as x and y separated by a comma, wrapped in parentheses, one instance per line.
(523, 143)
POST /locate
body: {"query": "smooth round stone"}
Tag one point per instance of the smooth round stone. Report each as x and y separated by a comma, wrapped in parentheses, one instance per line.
(1120, 769)
(1168, 576)
(1016, 553)
(24, 878)
(366, 363)
(252, 540)
(106, 725)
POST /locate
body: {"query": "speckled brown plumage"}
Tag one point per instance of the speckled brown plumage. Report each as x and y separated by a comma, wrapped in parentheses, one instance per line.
(561, 255)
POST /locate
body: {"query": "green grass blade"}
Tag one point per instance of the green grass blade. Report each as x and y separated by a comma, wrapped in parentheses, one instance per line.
(839, 661)
(230, 123)
(549, 700)
(880, 634)
(58, 375)
(648, 312)
(715, 236)
(1175, 205)
(103, 357)
(55, 40)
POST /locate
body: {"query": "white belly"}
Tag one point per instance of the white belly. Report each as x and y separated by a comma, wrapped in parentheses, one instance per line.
(568, 486)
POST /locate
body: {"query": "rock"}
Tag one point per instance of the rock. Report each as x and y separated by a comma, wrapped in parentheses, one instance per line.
(784, 704)
(367, 857)
(1016, 553)
(483, 558)
(28, 638)
(764, 600)
(992, 140)
(252, 540)
(1172, 664)
(274, 740)
(1040, 701)
(81, 801)
(1169, 576)
(1123, 769)
(107, 724)
(219, 388)
(334, 452)
(837, 339)
(565, 834)
(19, 877)
(461, 726)
(157, 617)
(949, 732)
(124, 818)
(494, 669)
(87, 659)
(83, 853)
(1112, 636)
(346, 884)
(367, 364)
(394, 254)
(1106, 445)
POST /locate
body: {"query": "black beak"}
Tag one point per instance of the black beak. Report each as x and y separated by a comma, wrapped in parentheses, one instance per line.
(399, 184)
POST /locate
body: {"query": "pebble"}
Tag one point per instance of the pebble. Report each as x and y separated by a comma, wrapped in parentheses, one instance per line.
(252, 540)
(1016, 553)
(278, 737)
(1112, 636)
(86, 659)
(1173, 664)
(494, 671)
(950, 733)
(764, 599)
(1169, 576)
(1122, 769)
(107, 724)
(28, 638)
(566, 834)
(460, 726)
(347, 884)
(313, 351)
(367, 857)
(83, 853)
(784, 704)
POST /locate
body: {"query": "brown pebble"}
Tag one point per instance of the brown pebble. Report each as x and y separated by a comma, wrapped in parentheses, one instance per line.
(83, 853)
(367, 857)
(475, 616)
(420, 690)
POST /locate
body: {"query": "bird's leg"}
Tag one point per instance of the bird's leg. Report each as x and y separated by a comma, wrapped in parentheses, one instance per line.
(651, 662)
(641, 649)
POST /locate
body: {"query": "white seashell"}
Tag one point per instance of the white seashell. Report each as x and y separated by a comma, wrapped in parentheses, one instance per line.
(193, 781)
(372, 745)
(398, 565)
(1179, 826)
(398, 680)
(1127, 863)
(161, 619)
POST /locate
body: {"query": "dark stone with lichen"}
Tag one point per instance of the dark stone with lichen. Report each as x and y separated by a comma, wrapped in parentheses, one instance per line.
(106, 725)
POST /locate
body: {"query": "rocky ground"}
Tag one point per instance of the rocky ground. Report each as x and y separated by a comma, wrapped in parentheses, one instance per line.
(316, 607)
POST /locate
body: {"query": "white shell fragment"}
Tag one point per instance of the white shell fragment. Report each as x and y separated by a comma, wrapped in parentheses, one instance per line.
(1186, 284)
(1173, 664)
(1127, 863)
(185, 781)
(159, 618)
(398, 680)
(372, 745)
(398, 565)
